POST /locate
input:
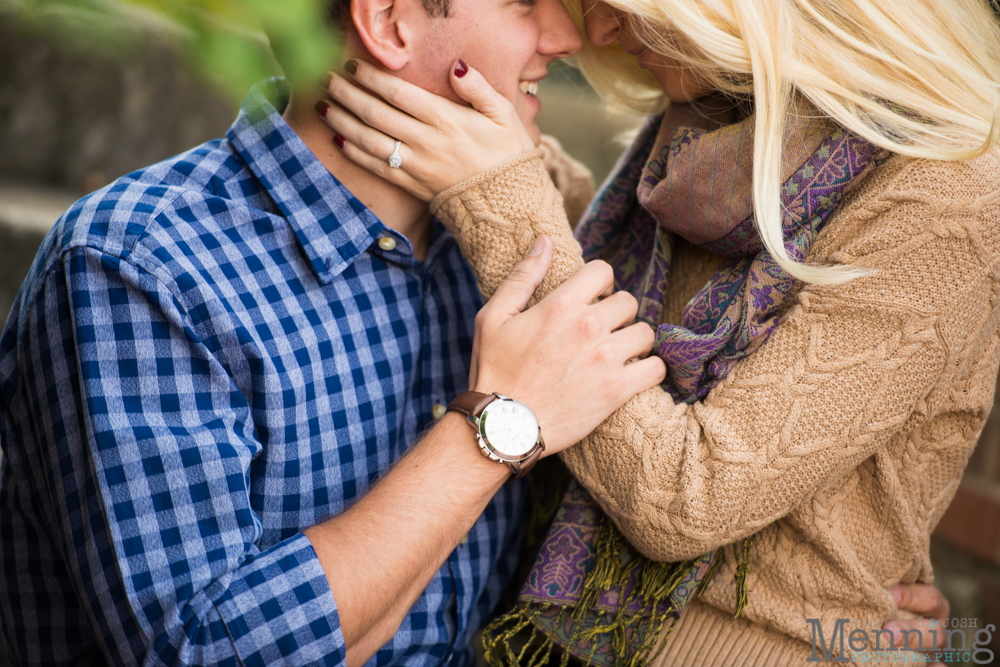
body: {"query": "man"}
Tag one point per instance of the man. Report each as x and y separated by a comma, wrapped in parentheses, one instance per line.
(216, 366)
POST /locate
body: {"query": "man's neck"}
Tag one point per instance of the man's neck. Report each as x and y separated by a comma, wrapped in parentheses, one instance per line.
(392, 205)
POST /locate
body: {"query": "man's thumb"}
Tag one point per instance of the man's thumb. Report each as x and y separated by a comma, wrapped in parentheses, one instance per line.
(515, 291)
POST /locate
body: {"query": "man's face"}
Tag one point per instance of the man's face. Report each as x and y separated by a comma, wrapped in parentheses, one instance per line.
(511, 42)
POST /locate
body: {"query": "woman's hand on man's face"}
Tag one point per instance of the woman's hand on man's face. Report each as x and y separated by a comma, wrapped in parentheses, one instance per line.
(443, 143)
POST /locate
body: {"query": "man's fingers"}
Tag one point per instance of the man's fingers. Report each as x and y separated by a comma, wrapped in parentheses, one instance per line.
(514, 292)
(634, 341)
(618, 310)
(921, 599)
(643, 374)
(591, 282)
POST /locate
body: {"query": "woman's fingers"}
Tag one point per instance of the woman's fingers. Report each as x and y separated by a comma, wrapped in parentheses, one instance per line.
(922, 634)
(476, 90)
(369, 139)
(472, 87)
(921, 599)
(373, 111)
(380, 167)
(456, 143)
(403, 95)
(927, 601)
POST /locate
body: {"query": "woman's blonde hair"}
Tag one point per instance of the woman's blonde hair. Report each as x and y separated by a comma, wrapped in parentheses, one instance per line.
(916, 77)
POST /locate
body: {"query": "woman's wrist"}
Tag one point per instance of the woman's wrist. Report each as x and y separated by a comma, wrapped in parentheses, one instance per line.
(485, 177)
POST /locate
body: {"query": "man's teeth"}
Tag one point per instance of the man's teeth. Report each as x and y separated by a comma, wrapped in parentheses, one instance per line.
(530, 88)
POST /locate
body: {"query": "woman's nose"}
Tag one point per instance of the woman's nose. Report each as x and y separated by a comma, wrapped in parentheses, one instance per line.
(603, 22)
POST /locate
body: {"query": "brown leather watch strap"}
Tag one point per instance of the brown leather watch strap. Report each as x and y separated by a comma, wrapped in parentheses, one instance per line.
(471, 403)
(524, 467)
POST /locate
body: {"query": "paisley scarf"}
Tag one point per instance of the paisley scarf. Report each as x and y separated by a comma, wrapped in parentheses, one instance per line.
(688, 174)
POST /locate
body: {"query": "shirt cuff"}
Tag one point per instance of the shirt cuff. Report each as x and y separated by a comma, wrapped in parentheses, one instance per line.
(279, 609)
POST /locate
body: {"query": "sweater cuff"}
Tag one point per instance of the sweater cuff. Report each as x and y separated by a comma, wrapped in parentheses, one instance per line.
(485, 177)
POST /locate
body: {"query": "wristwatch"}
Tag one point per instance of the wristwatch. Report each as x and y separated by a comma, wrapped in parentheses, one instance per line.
(506, 431)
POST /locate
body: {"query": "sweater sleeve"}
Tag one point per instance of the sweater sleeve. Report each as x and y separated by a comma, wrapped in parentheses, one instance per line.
(496, 217)
(842, 374)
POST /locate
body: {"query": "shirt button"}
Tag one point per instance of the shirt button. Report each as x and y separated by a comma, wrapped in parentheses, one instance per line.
(464, 539)
(439, 410)
(387, 243)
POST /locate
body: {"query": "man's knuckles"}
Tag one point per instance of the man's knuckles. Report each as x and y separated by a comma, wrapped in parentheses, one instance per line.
(590, 327)
(600, 272)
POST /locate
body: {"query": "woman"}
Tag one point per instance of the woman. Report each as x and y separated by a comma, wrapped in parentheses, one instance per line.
(831, 166)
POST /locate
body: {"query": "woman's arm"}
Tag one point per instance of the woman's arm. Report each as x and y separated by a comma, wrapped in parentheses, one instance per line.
(843, 373)
(496, 217)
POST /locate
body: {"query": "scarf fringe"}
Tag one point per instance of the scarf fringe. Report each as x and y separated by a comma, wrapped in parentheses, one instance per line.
(655, 583)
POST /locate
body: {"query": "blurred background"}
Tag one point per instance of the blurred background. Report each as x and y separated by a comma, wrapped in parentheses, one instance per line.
(87, 96)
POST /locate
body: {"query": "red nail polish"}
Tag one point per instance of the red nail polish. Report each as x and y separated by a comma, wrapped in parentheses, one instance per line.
(461, 69)
(339, 140)
(323, 108)
(351, 66)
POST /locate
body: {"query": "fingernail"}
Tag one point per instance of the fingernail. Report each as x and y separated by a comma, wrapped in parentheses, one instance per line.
(536, 249)
(897, 595)
(339, 140)
(461, 69)
(323, 108)
(351, 66)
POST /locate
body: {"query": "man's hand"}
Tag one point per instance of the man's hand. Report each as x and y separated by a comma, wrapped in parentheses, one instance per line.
(932, 605)
(565, 358)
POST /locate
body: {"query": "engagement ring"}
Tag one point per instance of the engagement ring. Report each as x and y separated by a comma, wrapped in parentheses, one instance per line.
(395, 161)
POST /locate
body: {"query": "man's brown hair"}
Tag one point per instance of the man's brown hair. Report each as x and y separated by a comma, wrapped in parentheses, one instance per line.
(340, 10)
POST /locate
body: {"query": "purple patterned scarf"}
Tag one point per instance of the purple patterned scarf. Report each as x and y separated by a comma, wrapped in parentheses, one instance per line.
(687, 174)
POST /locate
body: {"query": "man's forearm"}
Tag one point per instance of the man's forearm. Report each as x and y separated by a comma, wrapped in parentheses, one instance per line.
(381, 553)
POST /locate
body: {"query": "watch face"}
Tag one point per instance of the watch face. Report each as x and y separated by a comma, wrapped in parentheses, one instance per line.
(509, 428)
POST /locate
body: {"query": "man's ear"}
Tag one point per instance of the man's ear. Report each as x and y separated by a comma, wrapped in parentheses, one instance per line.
(384, 27)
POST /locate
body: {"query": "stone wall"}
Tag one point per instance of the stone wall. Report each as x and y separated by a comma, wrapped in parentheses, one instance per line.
(73, 119)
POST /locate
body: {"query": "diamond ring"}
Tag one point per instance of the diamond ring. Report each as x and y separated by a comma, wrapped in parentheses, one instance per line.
(395, 160)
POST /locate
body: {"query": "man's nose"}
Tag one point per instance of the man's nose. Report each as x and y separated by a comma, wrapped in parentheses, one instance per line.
(603, 22)
(559, 37)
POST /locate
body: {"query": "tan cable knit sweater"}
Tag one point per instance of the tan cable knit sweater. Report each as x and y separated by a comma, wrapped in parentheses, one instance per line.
(840, 442)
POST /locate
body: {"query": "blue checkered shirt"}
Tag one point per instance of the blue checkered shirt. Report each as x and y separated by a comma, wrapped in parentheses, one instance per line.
(209, 356)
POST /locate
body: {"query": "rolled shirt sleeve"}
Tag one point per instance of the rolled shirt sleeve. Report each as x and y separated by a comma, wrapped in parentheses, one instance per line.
(148, 446)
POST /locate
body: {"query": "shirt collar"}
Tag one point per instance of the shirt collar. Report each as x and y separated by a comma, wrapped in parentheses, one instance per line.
(332, 225)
